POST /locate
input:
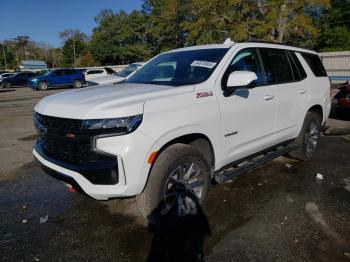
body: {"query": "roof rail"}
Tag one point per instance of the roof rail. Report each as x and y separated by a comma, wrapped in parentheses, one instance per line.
(270, 42)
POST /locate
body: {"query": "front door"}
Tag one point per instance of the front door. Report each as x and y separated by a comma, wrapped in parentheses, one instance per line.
(248, 114)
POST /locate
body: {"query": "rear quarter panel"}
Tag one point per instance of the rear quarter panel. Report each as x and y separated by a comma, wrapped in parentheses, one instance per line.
(318, 91)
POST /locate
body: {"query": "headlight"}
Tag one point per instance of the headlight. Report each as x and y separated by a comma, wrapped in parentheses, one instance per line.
(123, 125)
(34, 79)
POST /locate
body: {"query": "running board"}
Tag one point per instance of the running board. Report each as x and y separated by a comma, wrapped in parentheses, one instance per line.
(252, 163)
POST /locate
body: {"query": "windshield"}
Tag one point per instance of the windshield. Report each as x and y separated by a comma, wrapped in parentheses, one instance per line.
(179, 68)
(6, 75)
(44, 72)
(127, 70)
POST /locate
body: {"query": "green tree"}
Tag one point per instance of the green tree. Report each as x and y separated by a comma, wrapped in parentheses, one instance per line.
(293, 21)
(335, 34)
(75, 45)
(119, 38)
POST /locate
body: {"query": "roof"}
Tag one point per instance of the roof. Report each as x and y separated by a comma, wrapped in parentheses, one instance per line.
(33, 62)
(197, 47)
(248, 44)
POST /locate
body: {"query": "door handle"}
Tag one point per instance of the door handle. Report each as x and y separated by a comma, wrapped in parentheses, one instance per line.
(302, 92)
(269, 97)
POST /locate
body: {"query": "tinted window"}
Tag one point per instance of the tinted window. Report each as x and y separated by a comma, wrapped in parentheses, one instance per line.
(298, 65)
(6, 75)
(92, 72)
(22, 75)
(57, 72)
(127, 70)
(179, 68)
(276, 65)
(315, 64)
(245, 60)
(67, 72)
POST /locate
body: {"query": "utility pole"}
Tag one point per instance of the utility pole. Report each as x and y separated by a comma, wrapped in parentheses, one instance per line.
(74, 51)
(4, 54)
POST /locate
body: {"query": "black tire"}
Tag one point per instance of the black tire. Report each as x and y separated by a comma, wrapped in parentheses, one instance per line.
(305, 151)
(153, 203)
(77, 84)
(7, 85)
(42, 85)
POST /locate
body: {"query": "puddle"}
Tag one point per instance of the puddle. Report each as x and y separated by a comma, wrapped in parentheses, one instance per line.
(6, 90)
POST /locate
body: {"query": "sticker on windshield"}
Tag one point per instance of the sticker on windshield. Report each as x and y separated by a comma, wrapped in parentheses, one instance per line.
(206, 64)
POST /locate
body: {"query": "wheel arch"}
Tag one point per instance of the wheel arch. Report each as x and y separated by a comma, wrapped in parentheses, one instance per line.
(198, 140)
(317, 108)
(204, 143)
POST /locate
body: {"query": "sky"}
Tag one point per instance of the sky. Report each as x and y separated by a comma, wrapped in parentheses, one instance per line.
(42, 20)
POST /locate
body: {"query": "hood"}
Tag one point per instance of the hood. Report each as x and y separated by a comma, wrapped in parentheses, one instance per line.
(105, 101)
(110, 79)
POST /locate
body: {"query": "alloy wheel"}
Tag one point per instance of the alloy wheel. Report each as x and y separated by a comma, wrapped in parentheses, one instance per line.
(183, 189)
(311, 138)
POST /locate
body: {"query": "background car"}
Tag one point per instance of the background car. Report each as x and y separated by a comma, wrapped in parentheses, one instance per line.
(93, 73)
(116, 77)
(58, 78)
(17, 80)
(5, 75)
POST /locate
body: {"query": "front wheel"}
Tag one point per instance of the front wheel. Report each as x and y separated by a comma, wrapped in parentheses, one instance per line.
(178, 183)
(42, 85)
(77, 84)
(308, 138)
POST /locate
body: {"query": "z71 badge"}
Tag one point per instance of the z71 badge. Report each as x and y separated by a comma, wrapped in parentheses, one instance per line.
(204, 94)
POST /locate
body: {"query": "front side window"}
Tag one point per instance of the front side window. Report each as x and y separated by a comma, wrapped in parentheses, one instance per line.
(179, 68)
(245, 60)
(57, 72)
(276, 65)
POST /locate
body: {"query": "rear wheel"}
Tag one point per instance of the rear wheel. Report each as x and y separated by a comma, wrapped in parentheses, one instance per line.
(42, 85)
(178, 183)
(7, 85)
(77, 84)
(308, 138)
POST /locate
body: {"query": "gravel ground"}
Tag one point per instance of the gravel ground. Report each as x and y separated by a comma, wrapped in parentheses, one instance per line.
(275, 213)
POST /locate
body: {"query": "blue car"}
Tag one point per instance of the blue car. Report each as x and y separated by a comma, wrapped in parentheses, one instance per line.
(58, 78)
(18, 79)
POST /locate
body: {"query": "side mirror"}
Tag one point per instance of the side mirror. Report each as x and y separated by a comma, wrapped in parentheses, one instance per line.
(242, 79)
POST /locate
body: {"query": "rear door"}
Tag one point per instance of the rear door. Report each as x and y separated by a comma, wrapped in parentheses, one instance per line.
(56, 77)
(284, 72)
(22, 79)
(66, 78)
(247, 114)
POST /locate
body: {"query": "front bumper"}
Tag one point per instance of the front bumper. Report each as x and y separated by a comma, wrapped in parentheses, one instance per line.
(86, 153)
(75, 177)
(32, 84)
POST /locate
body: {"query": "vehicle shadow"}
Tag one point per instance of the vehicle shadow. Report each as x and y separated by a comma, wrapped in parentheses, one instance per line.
(339, 113)
(178, 239)
(6, 90)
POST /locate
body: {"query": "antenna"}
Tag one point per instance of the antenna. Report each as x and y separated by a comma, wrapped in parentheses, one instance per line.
(228, 41)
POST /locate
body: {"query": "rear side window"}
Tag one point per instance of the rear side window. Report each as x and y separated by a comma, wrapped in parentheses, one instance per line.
(276, 65)
(315, 64)
(295, 62)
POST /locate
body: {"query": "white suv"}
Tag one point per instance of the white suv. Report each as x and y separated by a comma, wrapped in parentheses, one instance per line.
(186, 118)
